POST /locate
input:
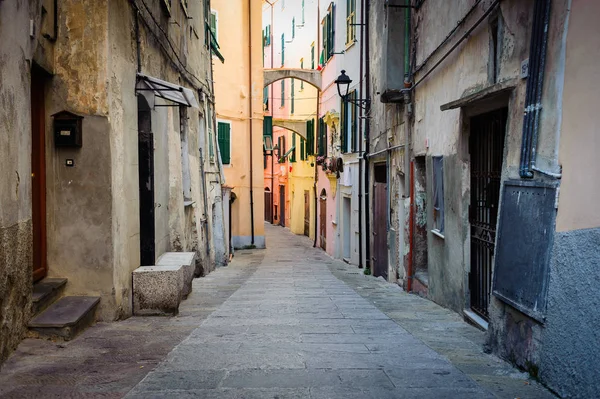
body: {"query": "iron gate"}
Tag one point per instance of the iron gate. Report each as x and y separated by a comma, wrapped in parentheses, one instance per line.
(486, 146)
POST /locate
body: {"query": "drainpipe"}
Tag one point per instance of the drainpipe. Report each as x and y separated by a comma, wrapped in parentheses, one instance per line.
(360, 141)
(250, 117)
(317, 130)
(367, 134)
(535, 85)
(408, 165)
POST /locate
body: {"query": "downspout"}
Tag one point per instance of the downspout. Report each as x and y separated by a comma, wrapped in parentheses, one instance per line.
(535, 85)
(408, 165)
(317, 129)
(367, 134)
(250, 117)
(360, 135)
(137, 39)
(271, 104)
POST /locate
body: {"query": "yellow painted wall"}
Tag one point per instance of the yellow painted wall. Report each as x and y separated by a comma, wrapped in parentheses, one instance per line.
(233, 93)
(580, 133)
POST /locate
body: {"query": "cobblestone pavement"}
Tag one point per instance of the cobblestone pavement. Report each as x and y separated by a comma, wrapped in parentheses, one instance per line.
(287, 322)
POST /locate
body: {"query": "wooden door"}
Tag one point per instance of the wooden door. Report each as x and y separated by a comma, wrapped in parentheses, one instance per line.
(146, 182)
(306, 212)
(380, 245)
(268, 207)
(282, 206)
(38, 174)
(323, 222)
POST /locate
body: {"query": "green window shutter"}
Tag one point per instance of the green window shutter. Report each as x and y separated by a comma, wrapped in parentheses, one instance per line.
(354, 124)
(268, 35)
(224, 139)
(322, 138)
(325, 41)
(344, 126)
(311, 147)
(283, 93)
(282, 49)
(213, 24)
(312, 57)
(293, 93)
(293, 154)
(266, 97)
(303, 20)
(293, 27)
(268, 126)
(211, 149)
(332, 31)
(302, 67)
(302, 149)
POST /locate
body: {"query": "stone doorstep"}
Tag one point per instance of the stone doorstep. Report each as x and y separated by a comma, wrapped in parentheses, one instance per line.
(185, 259)
(158, 290)
(46, 292)
(66, 317)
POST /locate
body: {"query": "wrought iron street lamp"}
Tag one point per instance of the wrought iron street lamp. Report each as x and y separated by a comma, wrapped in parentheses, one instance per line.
(343, 86)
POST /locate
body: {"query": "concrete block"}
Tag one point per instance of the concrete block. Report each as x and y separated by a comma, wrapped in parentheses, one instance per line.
(185, 259)
(157, 290)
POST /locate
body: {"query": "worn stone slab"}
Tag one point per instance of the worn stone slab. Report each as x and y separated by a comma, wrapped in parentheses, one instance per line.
(157, 290)
(66, 318)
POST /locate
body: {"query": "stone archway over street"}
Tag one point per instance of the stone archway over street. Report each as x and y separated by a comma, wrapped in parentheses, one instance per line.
(310, 76)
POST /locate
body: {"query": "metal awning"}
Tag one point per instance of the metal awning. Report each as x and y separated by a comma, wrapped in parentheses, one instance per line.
(168, 91)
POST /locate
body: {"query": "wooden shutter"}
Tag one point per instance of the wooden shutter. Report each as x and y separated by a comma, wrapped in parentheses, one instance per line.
(302, 149)
(283, 93)
(268, 126)
(213, 24)
(344, 126)
(353, 124)
(293, 154)
(282, 49)
(224, 139)
(292, 93)
(332, 31)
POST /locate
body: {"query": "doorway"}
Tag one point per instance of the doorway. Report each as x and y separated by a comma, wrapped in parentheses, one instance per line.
(486, 146)
(380, 242)
(268, 205)
(38, 172)
(347, 212)
(306, 212)
(282, 205)
(323, 219)
(146, 182)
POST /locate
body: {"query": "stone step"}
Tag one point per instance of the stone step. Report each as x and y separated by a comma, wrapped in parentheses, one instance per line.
(46, 292)
(65, 318)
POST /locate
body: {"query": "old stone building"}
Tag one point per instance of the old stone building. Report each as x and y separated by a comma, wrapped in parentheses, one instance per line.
(107, 149)
(497, 193)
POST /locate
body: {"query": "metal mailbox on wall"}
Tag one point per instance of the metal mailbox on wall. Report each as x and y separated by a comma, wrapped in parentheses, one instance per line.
(67, 129)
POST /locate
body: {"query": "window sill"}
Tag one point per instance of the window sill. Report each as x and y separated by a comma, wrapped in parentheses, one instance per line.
(438, 233)
(187, 203)
(349, 45)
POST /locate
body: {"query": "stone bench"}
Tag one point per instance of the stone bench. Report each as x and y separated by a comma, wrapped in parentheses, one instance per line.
(157, 290)
(185, 259)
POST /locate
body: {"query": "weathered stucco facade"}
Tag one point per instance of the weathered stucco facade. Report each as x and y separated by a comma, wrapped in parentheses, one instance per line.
(87, 63)
(481, 87)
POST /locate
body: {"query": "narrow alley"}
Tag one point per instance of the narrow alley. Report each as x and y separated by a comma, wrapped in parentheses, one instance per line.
(285, 322)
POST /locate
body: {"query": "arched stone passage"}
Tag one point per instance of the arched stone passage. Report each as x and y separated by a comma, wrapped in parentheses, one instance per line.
(296, 126)
(309, 76)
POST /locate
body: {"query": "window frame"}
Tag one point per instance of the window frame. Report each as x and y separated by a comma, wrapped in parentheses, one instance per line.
(438, 196)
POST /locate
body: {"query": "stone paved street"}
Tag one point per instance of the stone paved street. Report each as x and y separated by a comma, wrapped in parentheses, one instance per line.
(287, 322)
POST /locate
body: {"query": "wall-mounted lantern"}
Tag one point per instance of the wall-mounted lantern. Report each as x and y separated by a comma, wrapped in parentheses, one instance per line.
(67, 129)
(343, 85)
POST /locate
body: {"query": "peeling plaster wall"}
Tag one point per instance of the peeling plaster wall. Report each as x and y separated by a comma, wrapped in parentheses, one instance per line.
(17, 50)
